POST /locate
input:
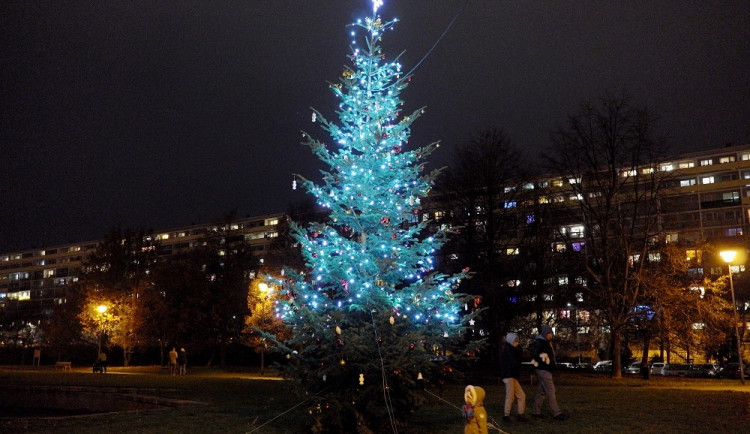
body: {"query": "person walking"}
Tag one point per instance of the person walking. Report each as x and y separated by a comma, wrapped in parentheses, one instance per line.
(510, 365)
(543, 359)
(173, 361)
(182, 361)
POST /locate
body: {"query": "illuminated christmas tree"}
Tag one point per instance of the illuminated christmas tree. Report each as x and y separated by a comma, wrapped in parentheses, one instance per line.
(371, 319)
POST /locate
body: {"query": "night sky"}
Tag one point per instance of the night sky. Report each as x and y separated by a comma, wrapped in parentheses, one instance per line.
(156, 114)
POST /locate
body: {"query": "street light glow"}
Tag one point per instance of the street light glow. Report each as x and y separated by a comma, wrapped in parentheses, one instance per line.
(728, 255)
(101, 308)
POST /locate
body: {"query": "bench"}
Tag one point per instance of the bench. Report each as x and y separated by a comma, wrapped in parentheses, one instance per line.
(65, 366)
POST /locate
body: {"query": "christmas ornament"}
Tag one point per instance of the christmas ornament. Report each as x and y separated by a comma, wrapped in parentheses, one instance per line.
(391, 320)
(361, 379)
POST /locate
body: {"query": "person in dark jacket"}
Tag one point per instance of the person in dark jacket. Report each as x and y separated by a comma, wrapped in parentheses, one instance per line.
(543, 359)
(510, 365)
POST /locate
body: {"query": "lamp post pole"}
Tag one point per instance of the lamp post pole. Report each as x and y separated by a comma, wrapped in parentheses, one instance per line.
(728, 257)
(102, 309)
(736, 329)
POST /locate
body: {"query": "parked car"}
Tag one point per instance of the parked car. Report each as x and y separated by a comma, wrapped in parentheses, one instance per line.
(633, 368)
(657, 368)
(731, 370)
(582, 365)
(603, 366)
(677, 369)
(708, 370)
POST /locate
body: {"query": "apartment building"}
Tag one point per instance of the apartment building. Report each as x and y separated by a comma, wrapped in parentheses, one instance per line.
(34, 281)
(705, 198)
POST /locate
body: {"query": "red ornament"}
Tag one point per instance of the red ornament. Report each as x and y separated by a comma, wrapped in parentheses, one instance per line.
(385, 220)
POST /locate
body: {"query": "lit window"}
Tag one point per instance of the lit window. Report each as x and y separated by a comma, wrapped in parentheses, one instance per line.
(530, 219)
(509, 204)
(707, 180)
(509, 189)
(559, 247)
(699, 289)
(272, 222)
(631, 172)
(162, 237)
(727, 159)
(557, 183)
(667, 167)
(528, 186)
(49, 272)
(564, 314)
(671, 238)
(543, 199)
(544, 184)
(574, 181)
(511, 251)
(578, 196)
(647, 170)
(579, 296)
(576, 231)
(745, 156)
(595, 194)
(439, 215)
(577, 247)
(706, 162)
(581, 281)
(687, 182)
(632, 259)
(654, 257)
(562, 280)
(686, 164)
(734, 232)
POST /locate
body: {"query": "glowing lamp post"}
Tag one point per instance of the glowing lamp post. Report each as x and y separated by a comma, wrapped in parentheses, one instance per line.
(728, 256)
(102, 309)
(265, 295)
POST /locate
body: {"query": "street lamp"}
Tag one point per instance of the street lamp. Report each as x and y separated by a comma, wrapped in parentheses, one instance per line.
(728, 256)
(102, 309)
(265, 295)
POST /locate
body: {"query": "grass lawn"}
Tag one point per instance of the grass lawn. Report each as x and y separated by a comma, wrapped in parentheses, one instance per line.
(243, 402)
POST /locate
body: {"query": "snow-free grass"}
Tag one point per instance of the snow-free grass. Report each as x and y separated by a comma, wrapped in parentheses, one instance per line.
(241, 401)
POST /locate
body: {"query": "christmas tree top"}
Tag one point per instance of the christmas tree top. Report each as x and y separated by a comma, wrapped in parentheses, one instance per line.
(373, 245)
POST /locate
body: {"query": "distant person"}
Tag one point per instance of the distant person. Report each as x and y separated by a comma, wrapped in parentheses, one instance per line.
(543, 359)
(173, 361)
(37, 357)
(182, 361)
(510, 365)
(102, 361)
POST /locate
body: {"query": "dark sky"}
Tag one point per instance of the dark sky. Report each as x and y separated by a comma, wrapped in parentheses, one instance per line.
(157, 114)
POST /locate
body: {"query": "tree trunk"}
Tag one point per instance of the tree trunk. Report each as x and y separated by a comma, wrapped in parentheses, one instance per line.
(616, 358)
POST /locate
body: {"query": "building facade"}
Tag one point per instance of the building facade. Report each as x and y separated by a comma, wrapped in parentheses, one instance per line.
(34, 281)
